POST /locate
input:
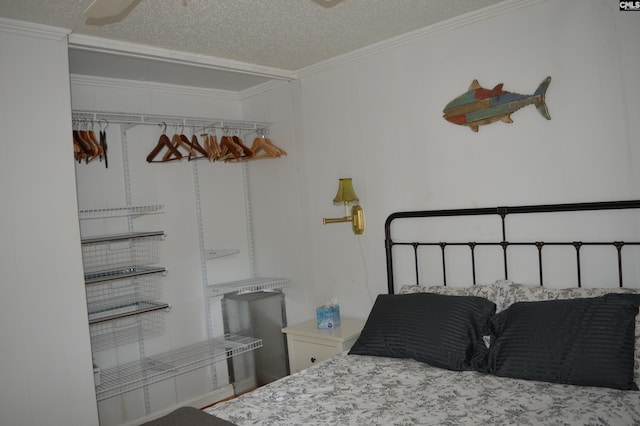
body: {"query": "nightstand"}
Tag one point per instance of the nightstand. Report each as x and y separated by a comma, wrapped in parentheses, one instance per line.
(308, 344)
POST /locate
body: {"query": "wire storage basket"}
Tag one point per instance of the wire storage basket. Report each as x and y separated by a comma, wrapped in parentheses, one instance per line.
(119, 251)
(124, 287)
(108, 331)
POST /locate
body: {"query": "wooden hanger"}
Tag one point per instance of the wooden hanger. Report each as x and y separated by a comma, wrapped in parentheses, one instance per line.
(163, 142)
(85, 140)
(211, 146)
(185, 143)
(246, 151)
(97, 149)
(82, 148)
(205, 142)
(86, 145)
(229, 149)
(175, 143)
(103, 143)
(192, 147)
(269, 142)
(198, 148)
(77, 151)
(260, 145)
(263, 143)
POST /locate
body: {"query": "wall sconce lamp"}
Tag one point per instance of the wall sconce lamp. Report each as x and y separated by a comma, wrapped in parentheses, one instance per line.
(346, 195)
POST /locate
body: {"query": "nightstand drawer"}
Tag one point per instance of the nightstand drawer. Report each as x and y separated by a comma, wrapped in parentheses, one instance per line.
(304, 354)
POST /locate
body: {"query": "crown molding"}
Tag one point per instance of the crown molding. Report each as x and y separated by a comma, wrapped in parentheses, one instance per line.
(429, 31)
(260, 88)
(116, 83)
(33, 30)
(278, 76)
(115, 47)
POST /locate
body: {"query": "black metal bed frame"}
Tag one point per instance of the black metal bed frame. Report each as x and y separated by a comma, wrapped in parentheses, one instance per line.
(503, 212)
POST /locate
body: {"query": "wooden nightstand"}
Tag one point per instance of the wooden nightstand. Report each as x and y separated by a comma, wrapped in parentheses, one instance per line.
(308, 344)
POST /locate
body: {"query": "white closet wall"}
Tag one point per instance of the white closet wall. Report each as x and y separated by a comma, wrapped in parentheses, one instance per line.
(280, 201)
(223, 214)
(45, 373)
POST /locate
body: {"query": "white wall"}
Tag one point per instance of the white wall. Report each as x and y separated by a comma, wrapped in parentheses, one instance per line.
(278, 198)
(46, 373)
(378, 119)
(171, 184)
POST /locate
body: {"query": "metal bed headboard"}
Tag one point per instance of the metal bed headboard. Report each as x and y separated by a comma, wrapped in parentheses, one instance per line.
(503, 213)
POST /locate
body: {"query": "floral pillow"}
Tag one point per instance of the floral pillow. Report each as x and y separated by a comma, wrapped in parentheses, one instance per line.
(489, 292)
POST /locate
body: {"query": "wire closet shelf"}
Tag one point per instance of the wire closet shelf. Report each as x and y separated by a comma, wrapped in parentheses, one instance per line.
(153, 369)
(249, 285)
(132, 119)
(130, 211)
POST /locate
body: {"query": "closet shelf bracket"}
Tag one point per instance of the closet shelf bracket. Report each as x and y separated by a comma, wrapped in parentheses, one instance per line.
(216, 253)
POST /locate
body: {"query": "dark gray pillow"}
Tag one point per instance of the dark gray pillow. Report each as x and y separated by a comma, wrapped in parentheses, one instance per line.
(440, 330)
(587, 342)
(188, 416)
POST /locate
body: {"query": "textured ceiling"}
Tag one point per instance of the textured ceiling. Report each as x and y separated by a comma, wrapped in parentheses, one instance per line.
(282, 34)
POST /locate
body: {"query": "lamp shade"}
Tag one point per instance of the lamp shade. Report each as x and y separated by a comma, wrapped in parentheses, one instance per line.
(345, 194)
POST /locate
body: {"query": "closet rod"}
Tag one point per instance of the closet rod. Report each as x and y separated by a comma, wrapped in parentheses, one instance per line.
(170, 120)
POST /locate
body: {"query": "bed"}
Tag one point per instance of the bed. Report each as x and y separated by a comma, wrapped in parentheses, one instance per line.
(452, 347)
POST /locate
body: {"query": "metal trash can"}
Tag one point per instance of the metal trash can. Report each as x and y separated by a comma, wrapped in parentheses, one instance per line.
(262, 315)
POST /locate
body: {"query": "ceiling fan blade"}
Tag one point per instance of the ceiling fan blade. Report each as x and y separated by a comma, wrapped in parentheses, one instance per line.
(101, 9)
(327, 3)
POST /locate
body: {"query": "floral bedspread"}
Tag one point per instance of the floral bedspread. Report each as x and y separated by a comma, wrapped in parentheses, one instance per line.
(362, 390)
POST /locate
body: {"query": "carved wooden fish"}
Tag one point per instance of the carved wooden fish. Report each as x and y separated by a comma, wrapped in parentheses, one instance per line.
(480, 106)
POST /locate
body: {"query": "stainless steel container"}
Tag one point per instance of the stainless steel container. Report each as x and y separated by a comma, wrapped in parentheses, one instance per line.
(262, 315)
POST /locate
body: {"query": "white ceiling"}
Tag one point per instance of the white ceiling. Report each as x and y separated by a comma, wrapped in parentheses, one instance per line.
(229, 44)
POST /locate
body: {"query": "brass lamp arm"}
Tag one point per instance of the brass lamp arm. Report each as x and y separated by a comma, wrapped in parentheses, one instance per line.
(356, 219)
(326, 220)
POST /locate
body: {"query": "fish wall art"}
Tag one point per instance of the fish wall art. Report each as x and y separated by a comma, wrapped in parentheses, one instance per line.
(480, 106)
